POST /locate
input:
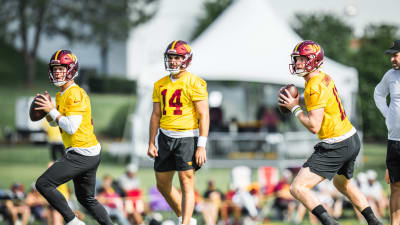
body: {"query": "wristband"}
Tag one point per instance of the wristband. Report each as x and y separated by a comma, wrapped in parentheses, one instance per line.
(294, 108)
(297, 112)
(54, 113)
(202, 141)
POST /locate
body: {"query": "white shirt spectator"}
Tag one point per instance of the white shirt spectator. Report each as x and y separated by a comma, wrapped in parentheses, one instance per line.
(128, 180)
(390, 84)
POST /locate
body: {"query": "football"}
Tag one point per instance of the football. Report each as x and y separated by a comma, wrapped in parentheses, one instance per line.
(37, 115)
(293, 92)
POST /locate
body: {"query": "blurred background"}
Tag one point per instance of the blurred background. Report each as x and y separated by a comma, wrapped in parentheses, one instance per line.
(241, 48)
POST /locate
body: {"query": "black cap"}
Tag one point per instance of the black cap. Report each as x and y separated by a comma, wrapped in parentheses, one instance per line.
(395, 48)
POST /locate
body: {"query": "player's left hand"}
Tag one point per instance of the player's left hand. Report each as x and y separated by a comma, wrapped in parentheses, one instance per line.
(289, 102)
(44, 103)
(201, 156)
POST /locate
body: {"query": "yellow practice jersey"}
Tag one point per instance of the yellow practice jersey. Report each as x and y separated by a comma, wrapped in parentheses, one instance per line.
(75, 101)
(64, 189)
(321, 92)
(176, 98)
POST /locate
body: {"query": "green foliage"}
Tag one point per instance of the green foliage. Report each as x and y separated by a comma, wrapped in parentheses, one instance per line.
(117, 124)
(105, 111)
(320, 27)
(213, 8)
(113, 85)
(372, 64)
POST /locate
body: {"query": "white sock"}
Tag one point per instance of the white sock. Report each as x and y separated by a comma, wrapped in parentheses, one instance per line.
(193, 221)
(76, 221)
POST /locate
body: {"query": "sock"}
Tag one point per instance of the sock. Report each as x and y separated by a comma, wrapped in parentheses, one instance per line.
(369, 215)
(180, 220)
(193, 221)
(75, 221)
(323, 215)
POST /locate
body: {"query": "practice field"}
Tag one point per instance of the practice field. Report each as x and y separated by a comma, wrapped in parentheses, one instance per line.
(24, 163)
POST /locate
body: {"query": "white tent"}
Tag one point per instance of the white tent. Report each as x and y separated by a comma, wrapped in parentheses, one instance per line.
(248, 42)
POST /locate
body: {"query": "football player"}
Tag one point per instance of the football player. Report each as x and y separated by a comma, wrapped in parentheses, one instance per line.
(178, 129)
(339, 145)
(72, 113)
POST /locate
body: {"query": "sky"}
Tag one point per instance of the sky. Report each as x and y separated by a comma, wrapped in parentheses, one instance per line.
(357, 13)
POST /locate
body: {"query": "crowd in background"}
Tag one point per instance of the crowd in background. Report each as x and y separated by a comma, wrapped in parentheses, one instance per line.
(245, 201)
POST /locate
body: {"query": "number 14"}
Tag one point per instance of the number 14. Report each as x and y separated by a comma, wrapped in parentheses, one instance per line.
(174, 101)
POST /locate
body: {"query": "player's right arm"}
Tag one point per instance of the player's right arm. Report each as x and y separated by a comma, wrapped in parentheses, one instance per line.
(380, 93)
(154, 125)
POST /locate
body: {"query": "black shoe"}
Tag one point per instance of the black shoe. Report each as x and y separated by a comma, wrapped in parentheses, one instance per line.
(375, 221)
(328, 220)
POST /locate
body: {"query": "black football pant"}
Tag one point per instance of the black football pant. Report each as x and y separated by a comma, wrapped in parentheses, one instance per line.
(82, 170)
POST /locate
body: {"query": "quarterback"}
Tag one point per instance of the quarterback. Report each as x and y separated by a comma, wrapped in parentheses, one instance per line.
(72, 114)
(339, 145)
(178, 129)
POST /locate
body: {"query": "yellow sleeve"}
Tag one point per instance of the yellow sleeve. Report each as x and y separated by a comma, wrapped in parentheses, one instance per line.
(76, 103)
(317, 98)
(199, 90)
(156, 97)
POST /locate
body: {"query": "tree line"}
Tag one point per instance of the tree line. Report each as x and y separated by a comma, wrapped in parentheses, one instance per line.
(97, 22)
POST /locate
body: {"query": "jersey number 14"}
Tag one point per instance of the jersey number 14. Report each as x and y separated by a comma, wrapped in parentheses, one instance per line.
(174, 101)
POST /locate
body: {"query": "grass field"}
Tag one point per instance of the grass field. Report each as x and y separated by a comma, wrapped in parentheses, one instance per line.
(24, 163)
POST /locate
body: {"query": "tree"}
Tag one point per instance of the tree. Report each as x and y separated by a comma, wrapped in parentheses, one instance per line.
(213, 8)
(26, 21)
(371, 64)
(320, 28)
(105, 21)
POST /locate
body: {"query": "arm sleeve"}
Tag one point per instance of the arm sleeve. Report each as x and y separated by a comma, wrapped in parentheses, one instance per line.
(199, 90)
(70, 124)
(380, 93)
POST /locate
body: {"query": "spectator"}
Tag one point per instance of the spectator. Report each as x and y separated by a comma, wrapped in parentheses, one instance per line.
(376, 194)
(269, 120)
(130, 185)
(284, 202)
(112, 201)
(211, 205)
(38, 205)
(16, 205)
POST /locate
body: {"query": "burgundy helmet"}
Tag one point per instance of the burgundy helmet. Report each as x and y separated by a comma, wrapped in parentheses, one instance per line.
(314, 54)
(63, 58)
(181, 48)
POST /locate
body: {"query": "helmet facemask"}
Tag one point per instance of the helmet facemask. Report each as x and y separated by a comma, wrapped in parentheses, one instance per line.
(181, 66)
(308, 67)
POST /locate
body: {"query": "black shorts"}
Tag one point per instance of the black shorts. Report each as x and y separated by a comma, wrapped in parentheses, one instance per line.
(392, 160)
(175, 153)
(337, 158)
